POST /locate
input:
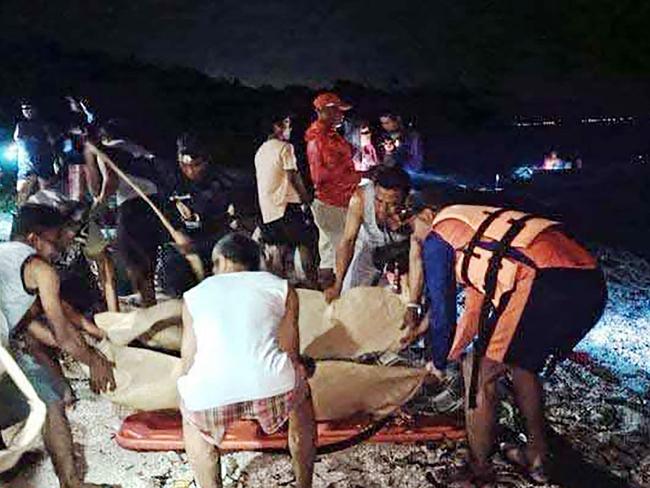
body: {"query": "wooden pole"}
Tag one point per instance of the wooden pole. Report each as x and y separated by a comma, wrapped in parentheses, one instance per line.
(192, 258)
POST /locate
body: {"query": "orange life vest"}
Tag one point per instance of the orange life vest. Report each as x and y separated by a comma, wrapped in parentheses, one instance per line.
(474, 216)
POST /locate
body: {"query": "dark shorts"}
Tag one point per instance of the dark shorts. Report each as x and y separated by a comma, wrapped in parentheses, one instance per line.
(139, 233)
(294, 228)
(174, 275)
(40, 165)
(563, 306)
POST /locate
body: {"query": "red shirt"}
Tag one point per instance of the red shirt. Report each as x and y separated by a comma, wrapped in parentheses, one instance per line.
(330, 164)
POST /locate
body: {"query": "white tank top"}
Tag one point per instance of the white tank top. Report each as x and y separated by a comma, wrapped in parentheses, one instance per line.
(235, 320)
(15, 300)
(370, 234)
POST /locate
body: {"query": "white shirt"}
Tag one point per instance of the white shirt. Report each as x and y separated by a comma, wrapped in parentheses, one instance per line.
(235, 320)
(15, 300)
(274, 189)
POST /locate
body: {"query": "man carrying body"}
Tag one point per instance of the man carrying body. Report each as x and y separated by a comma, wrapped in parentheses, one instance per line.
(372, 222)
(334, 178)
(281, 192)
(139, 233)
(29, 288)
(243, 361)
(531, 292)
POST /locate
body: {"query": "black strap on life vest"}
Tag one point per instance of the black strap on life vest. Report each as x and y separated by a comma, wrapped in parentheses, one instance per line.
(486, 326)
(468, 252)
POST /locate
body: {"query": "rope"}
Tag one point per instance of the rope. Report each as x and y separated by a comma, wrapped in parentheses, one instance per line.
(192, 258)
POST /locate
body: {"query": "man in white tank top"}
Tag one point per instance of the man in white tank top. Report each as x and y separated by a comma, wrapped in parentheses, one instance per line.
(240, 356)
(372, 221)
(29, 289)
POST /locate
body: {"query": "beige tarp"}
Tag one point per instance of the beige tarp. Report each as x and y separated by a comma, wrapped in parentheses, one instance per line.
(363, 320)
(146, 380)
(27, 435)
(342, 389)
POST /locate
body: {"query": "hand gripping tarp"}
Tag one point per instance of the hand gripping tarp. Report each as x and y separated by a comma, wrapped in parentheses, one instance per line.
(27, 436)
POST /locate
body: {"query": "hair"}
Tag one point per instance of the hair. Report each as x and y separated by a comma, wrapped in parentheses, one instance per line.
(390, 114)
(239, 249)
(393, 178)
(35, 218)
(192, 144)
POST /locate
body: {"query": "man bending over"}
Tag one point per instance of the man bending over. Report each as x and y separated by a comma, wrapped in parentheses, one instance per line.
(243, 361)
(29, 288)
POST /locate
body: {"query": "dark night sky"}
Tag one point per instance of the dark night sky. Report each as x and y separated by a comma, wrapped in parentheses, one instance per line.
(401, 42)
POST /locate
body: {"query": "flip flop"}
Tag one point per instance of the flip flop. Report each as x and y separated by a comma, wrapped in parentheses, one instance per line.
(516, 456)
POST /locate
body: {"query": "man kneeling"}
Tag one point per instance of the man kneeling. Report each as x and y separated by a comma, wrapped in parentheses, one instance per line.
(241, 359)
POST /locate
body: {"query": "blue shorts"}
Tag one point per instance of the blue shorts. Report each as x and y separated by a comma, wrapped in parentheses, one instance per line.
(40, 165)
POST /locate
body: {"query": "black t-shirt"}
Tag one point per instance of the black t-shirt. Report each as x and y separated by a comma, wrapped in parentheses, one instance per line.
(207, 200)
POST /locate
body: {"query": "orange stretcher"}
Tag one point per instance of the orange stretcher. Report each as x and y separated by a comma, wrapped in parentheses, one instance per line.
(162, 431)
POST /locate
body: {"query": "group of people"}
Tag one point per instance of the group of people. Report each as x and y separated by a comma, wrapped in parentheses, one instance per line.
(531, 291)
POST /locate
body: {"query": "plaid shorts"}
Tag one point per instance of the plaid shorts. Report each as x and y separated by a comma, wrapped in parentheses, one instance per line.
(271, 413)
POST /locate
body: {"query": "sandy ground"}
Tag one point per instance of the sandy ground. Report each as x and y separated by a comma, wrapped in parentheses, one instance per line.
(599, 416)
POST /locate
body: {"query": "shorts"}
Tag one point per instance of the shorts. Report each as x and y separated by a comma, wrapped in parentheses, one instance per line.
(139, 233)
(330, 221)
(50, 388)
(271, 413)
(174, 275)
(40, 165)
(562, 307)
(292, 229)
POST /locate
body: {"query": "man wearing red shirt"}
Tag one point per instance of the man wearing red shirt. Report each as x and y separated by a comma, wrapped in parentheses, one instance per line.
(334, 178)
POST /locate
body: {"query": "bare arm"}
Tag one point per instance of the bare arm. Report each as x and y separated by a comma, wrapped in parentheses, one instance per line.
(416, 271)
(46, 281)
(81, 322)
(288, 331)
(345, 250)
(103, 181)
(42, 276)
(188, 345)
(296, 180)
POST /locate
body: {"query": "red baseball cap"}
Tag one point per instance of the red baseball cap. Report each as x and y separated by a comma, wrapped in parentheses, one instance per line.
(329, 99)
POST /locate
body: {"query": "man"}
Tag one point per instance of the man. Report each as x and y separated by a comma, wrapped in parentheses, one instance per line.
(373, 222)
(243, 360)
(35, 154)
(531, 292)
(281, 192)
(200, 198)
(139, 232)
(334, 178)
(86, 243)
(402, 147)
(29, 288)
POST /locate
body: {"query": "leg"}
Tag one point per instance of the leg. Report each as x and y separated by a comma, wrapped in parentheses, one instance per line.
(142, 282)
(57, 437)
(302, 442)
(107, 277)
(203, 456)
(480, 422)
(307, 260)
(529, 397)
